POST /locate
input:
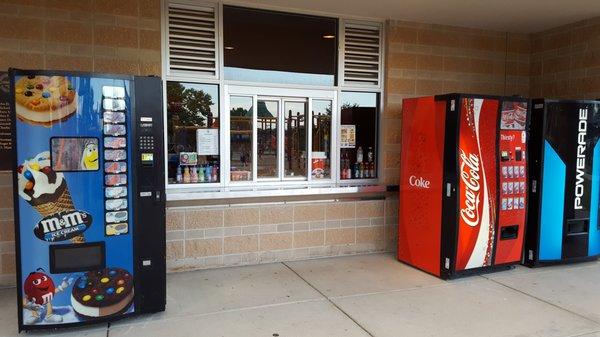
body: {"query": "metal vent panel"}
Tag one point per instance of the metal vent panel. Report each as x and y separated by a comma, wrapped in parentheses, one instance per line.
(362, 54)
(192, 40)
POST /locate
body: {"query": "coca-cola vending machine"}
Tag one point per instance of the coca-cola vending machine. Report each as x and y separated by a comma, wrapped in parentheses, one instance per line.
(463, 183)
(565, 182)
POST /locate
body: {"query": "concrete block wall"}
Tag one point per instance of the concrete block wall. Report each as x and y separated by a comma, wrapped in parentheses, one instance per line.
(565, 61)
(216, 236)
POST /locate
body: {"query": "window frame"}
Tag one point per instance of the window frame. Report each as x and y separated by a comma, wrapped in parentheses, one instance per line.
(279, 91)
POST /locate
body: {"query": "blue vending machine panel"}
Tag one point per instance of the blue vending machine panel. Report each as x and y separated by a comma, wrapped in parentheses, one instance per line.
(563, 216)
(74, 197)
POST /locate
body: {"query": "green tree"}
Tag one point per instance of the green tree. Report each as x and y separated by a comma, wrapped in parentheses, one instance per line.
(187, 106)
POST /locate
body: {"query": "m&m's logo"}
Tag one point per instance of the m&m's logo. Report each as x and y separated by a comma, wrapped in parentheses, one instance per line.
(63, 225)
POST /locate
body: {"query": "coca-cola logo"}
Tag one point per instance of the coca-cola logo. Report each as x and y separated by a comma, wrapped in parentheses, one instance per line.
(469, 174)
(418, 182)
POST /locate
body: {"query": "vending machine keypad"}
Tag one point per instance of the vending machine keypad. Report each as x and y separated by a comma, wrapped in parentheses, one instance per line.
(146, 143)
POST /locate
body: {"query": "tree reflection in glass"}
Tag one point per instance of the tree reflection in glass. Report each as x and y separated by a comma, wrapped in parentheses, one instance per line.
(295, 139)
(267, 119)
(241, 112)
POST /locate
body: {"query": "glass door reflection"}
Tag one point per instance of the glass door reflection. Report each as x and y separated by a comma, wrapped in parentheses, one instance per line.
(295, 134)
(267, 120)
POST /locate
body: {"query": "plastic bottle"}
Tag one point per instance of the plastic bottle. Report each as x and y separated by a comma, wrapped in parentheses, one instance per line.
(201, 173)
(179, 175)
(359, 155)
(193, 174)
(215, 173)
(370, 154)
(186, 175)
(208, 173)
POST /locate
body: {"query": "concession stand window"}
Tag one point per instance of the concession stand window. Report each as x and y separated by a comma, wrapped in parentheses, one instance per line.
(276, 116)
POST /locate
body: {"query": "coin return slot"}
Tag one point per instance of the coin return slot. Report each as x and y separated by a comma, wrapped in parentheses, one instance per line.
(509, 232)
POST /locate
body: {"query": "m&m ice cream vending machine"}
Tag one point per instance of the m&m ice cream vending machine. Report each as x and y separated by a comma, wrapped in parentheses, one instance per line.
(89, 159)
(463, 183)
(565, 171)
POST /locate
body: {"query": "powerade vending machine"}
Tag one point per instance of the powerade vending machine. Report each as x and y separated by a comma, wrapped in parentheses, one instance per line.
(565, 174)
(463, 183)
(89, 159)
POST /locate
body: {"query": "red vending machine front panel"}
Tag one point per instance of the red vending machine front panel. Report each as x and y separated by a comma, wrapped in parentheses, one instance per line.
(513, 182)
(477, 182)
(421, 174)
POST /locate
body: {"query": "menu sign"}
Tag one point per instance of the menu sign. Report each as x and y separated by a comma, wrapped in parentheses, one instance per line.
(348, 136)
(6, 122)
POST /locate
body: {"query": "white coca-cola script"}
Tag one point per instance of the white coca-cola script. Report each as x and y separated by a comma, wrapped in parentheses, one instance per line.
(469, 174)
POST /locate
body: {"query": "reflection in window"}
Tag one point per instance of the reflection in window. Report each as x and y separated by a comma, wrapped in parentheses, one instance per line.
(193, 132)
(321, 139)
(241, 129)
(295, 139)
(358, 133)
(266, 120)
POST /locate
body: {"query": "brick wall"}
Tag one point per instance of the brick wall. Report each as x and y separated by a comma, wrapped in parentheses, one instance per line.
(215, 236)
(426, 59)
(112, 36)
(7, 231)
(565, 62)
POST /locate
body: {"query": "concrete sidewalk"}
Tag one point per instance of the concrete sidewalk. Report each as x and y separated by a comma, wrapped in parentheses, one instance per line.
(368, 295)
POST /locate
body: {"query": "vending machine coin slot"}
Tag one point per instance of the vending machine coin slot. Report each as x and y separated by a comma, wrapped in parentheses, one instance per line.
(518, 154)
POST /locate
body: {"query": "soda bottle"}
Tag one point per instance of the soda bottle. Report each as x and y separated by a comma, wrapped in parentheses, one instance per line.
(215, 173)
(359, 154)
(370, 154)
(208, 173)
(201, 173)
(186, 175)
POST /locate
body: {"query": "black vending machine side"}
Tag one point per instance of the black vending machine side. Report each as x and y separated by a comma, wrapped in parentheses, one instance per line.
(149, 198)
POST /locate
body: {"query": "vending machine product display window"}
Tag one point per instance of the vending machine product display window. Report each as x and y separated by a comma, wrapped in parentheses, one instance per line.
(193, 133)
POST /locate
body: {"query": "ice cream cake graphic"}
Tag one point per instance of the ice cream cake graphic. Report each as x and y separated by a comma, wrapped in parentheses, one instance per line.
(47, 191)
(44, 100)
(102, 293)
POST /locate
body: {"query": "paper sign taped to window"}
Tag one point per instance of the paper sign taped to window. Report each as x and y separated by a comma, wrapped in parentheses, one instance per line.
(207, 141)
(348, 136)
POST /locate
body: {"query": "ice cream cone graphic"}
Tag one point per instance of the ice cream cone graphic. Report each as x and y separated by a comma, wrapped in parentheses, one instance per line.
(44, 189)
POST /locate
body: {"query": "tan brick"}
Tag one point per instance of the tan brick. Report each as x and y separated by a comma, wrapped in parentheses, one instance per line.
(7, 230)
(203, 247)
(203, 218)
(401, 86)
(276, 214)
(240, 244)
(71, 5)
(370, 209)
(311, 212)
(68, 32)
(115, 36)
(174, 250)
(309, 239)
(403, 60)
(150, 39)
(369, 234)
(6, 199)
(276, 241)
(392, 132)
(21, 60)
(458, 64)
(130, 7)
(399, 34)
(340, 210)
(116, 66)
(429, 87)
(150, 68)
(430, 62)
(243, 216)
(8, 263)
(175, 220)
(150, 8)
(19, 28)
(340, 236)
(391, 160)
(63, 62)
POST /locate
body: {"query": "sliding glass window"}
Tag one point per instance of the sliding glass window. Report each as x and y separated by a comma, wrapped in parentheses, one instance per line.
(241, 115)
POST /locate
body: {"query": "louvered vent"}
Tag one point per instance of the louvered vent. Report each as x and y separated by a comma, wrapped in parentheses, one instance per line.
(192, 40)
(362, 54)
